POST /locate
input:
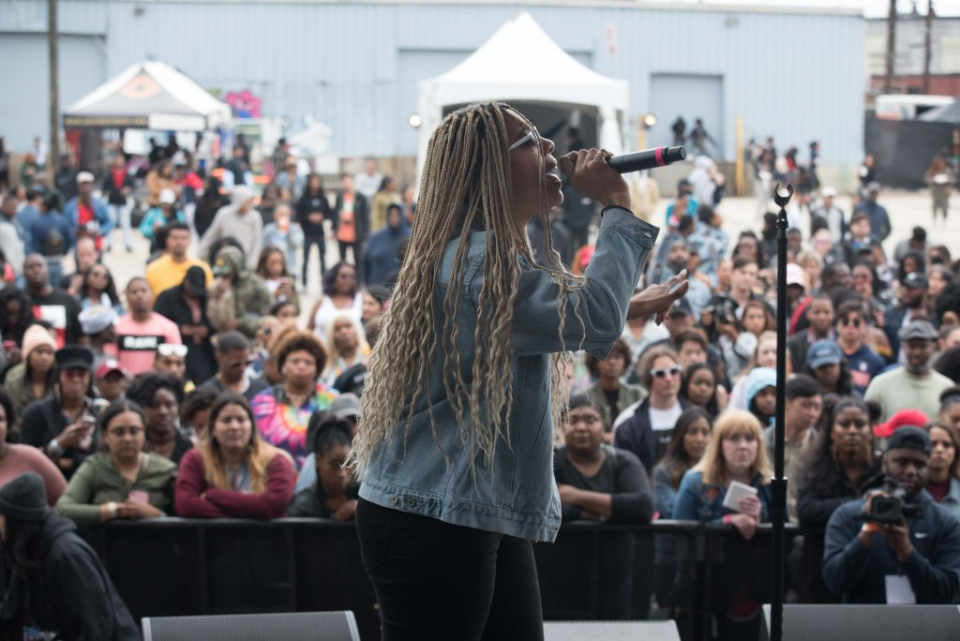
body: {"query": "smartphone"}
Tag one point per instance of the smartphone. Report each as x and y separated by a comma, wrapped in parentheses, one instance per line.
(138, 496)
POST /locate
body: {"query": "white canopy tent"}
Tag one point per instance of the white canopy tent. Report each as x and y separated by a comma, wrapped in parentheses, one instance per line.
(521, 63)
(148, 95)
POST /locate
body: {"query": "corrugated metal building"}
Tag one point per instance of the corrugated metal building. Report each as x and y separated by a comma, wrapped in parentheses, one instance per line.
(794, 73)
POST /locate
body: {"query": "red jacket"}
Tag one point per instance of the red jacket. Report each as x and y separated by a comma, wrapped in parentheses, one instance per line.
(195, 498)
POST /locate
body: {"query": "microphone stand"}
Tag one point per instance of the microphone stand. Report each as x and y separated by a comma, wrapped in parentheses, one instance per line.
(779, 483)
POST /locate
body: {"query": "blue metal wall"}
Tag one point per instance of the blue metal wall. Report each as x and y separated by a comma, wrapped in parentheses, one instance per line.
(797, 75)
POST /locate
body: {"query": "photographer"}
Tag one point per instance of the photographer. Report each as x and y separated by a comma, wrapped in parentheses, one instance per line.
(897, 545)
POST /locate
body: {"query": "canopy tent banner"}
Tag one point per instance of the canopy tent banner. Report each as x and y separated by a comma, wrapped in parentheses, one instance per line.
(148, 95)
(520, 62)
(943, 113)
(904, 149)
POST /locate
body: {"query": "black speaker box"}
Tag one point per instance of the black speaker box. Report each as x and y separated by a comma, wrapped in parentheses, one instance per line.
(866, 622)
(289, 626)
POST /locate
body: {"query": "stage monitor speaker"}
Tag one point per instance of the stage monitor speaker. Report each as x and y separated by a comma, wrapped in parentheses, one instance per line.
(289, 626)
(610, 631)
(866, 622)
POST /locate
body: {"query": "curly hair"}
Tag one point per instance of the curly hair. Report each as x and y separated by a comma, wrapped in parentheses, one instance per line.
(301, 341)
(144, 387)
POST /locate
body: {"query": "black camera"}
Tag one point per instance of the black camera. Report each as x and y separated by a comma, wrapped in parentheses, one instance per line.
(893, 508)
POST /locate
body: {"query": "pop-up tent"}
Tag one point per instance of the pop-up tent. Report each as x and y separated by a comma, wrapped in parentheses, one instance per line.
(521, 63)
(148, 95)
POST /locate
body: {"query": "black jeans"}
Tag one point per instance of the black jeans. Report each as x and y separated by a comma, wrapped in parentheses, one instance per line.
(354, 247)
(440, 581)
(321, 244)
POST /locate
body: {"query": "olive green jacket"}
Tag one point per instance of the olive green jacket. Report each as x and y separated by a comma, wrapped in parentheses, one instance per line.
(98, 481)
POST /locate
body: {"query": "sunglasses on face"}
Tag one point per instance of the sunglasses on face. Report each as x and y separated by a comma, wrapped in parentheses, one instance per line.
(169, 349)
(532, 136)
(663, 372)
(855, 322)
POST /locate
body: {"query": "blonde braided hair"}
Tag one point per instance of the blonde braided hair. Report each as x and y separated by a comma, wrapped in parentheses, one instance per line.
(467, 169)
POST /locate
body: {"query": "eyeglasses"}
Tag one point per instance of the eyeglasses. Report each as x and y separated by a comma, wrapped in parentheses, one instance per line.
(532, 136)
(170, 349)
(856, 322)
(663, 372)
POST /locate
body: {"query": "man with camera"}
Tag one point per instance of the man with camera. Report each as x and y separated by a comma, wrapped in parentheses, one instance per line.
(897, 545)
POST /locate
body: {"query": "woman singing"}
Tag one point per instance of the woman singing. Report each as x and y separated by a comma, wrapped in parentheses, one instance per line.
(467, 384)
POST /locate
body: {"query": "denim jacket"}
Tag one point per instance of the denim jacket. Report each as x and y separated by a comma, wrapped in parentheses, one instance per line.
(515, 493)
(699, 501)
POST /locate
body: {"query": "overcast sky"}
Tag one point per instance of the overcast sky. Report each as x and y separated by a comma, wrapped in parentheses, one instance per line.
(872, 8)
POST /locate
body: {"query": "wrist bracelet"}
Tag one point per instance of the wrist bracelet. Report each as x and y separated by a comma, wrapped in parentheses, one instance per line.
(112, 509)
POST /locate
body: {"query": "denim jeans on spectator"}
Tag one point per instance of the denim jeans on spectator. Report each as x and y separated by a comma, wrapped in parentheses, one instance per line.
(438, 581)
(55, 270)
(121, 218)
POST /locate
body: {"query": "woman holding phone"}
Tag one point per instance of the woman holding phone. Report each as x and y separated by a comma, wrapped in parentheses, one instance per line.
(64, 427)
(467, 382)
(123, 482)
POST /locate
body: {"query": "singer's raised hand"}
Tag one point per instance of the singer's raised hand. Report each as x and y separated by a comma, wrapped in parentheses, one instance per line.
(588, 171)
(657, 299)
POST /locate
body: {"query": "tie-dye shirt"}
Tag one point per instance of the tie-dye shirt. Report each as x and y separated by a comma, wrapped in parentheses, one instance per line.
(285, 426)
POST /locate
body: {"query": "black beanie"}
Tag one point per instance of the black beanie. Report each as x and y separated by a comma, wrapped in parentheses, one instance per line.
(24, 498)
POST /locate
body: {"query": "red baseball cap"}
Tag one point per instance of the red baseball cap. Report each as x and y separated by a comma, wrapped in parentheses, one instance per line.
(108, 366)
(915, 418)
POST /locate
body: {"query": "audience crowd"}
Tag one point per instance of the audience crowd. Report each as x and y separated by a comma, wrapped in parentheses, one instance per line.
(195, 391)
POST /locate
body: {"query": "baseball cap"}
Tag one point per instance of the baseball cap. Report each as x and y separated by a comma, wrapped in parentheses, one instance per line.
(681, 307)
(167, 197)
(796, 275)
(900, 419)
(916, 280)
(824, 352)
(85, 177)
(919, 329)
(828, 191)
(909, 438)
(344, 406)
(195, 282)
(108, 367)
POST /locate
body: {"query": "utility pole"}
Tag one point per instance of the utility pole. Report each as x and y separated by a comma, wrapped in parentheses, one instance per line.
(891, 49)
(53, 154)
(927, 53)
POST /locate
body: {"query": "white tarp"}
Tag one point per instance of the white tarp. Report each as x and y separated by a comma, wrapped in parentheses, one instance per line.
(520, 62)
(149, 95)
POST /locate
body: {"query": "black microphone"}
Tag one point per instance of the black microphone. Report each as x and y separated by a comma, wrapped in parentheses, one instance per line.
(646, 159)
